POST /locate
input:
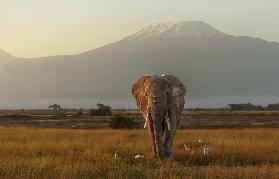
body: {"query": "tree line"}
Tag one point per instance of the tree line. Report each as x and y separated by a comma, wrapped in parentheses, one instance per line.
(252, 107)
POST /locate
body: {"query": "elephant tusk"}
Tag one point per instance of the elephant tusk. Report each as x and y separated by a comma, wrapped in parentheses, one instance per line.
(145, 124)
(168, 123)
(146, 121)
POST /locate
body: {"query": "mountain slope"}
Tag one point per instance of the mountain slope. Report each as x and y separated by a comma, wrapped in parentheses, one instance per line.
(176, 30)
(209, 62)
(4, 56)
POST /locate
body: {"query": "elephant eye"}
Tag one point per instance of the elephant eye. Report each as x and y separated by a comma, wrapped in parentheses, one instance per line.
(168, 93)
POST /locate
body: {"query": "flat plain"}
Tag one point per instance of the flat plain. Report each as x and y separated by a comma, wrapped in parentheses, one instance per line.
(61, 152)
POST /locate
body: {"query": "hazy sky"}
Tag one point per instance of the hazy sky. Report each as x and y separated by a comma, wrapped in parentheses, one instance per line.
(31, 28)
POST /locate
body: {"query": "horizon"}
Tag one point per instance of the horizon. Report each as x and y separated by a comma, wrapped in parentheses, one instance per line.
(39, 29)
(122, 103)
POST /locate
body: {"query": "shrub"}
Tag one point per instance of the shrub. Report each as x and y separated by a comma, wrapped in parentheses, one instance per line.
(102, 110)
(79, 113)
(120, 121)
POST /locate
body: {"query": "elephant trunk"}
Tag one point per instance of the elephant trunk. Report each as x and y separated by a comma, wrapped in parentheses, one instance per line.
(164, 122)
(158, 116)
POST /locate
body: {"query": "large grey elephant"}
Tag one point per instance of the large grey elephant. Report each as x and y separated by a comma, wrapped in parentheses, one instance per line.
(161, 100)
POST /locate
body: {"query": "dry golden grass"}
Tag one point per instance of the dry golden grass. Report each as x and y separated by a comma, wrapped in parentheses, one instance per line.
(68, 153)
(230, 113)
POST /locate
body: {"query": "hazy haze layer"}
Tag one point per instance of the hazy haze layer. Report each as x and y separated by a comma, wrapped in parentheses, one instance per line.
(216, 68)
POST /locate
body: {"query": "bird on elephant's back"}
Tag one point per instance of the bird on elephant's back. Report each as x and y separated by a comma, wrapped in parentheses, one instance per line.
(161, 100)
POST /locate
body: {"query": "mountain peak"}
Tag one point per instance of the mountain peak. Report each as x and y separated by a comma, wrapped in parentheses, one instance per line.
(176, 29)
(4, 54)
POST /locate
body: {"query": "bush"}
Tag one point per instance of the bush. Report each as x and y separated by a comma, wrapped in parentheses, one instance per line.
(79, 113)
(102, 110)
(120, 121)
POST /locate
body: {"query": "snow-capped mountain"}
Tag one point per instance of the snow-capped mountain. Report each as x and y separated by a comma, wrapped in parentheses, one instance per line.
(180, 29)
(4, 54)
(210, 63)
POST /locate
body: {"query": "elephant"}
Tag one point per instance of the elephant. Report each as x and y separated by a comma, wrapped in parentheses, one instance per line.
(161, 101)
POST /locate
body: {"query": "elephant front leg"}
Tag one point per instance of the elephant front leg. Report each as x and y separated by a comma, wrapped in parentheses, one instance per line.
(169, 135)
(152, 136)
(158, 137)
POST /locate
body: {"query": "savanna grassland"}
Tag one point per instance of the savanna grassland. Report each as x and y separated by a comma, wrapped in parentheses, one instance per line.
(87, 153)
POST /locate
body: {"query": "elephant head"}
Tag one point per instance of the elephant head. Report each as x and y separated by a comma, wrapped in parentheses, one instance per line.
(161, 100)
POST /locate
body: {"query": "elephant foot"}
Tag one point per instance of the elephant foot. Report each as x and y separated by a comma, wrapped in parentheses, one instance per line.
(163, 156)
(168, 156)
(160, 156)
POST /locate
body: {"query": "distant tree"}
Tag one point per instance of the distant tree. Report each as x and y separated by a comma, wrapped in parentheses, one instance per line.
(244, 107)
(55, 107)
(273, 107)
(102, 110)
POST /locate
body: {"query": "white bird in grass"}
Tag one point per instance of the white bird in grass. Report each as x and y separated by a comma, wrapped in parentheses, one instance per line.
(200, 141)
(188, 149)
(206, 149)
(139, 156)
(115, 155)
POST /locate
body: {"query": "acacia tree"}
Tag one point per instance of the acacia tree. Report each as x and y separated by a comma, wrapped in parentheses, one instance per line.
(102, 110)
(55, 107)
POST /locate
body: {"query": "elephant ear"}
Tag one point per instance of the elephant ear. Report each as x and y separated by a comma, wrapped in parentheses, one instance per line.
(179, 89)
(138, 91)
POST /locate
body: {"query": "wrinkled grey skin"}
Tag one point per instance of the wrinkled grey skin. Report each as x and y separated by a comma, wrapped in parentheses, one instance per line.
(160, 98)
